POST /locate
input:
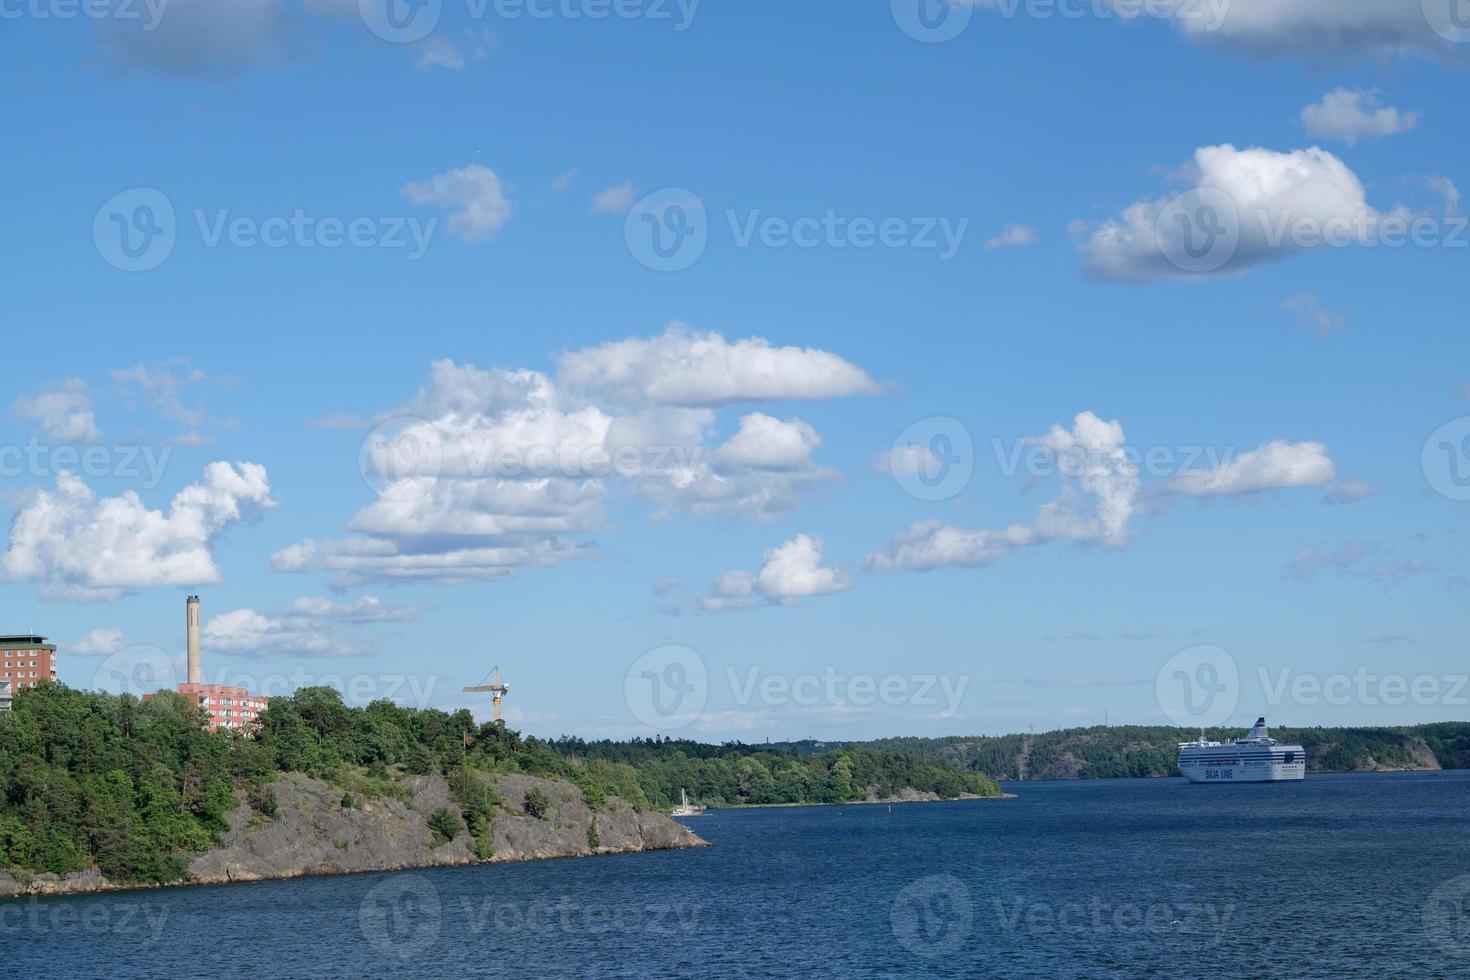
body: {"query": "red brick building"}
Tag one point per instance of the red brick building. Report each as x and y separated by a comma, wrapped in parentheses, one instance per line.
(232, 708)
(26, 660)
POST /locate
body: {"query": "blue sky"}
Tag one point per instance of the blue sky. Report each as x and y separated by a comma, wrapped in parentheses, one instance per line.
(1288, 517)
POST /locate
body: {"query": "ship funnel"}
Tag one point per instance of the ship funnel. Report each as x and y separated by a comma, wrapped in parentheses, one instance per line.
(1259, 731)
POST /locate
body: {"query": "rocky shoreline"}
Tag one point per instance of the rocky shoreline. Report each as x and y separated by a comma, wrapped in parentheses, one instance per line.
(313, 833)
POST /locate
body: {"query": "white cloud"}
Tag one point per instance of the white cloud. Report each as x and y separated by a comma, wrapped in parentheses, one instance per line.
(1349, 491)
(683, 367)
(199, 37)
(78, 546)
(98, 642)
(163, 387)
(1013, 236)
(613, 200)
(791, 571)
(245, 631)
(486, 471)
(1320, 30)
(439, 52)
(768, 443)
(1099, 497)
(564, 182)
(1241, 208)
(1097, 500)
(1275, 465)
(474, 196)
(65, 412)
(1354, 560)
(365, 609)
(907, 460)
(1312, 314)
(1348, 115)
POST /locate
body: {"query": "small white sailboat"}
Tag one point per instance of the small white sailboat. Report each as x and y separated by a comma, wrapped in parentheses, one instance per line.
(685, 808)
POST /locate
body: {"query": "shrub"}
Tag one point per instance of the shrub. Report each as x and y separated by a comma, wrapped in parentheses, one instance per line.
(263, 801)
(535, 803)
(594, 841)
(446, 825)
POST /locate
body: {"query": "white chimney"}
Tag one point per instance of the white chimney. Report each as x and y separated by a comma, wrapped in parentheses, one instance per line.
(192, 621)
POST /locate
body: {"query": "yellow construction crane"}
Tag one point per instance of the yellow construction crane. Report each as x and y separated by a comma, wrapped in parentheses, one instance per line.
(497, 689)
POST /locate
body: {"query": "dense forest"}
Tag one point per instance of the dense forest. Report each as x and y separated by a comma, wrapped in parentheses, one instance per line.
(133, 788)
(1134, 750)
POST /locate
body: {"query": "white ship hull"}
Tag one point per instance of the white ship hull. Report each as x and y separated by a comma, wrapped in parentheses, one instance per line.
(1257, 758)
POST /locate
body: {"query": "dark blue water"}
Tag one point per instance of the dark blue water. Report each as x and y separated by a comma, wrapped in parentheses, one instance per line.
(1341, 875)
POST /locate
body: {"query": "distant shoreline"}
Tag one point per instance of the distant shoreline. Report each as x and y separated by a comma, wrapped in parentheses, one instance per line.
(937, 799)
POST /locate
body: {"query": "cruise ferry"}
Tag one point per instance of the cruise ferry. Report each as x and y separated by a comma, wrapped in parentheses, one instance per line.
(1257, 758)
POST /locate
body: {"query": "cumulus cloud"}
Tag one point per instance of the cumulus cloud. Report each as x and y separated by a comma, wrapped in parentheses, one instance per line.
(613, 200)
(489, 470)
(684, 367)
(792, 571)
(1099, 495)
(1321, 30)
(1097, 499)
(1275, 465)
(1349, 115)
(100, 642)
(474, 196)
(64, 412)
(75, 545)
(365, 609)
(1013, 236)
(1241, 208)
(245, 631)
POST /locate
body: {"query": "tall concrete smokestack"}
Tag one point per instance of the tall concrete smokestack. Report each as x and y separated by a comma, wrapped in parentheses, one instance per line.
(192, 619)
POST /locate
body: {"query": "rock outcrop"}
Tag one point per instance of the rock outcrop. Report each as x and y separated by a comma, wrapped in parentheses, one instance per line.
(312, 833)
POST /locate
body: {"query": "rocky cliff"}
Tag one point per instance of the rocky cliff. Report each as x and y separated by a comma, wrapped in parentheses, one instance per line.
(314, 833)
